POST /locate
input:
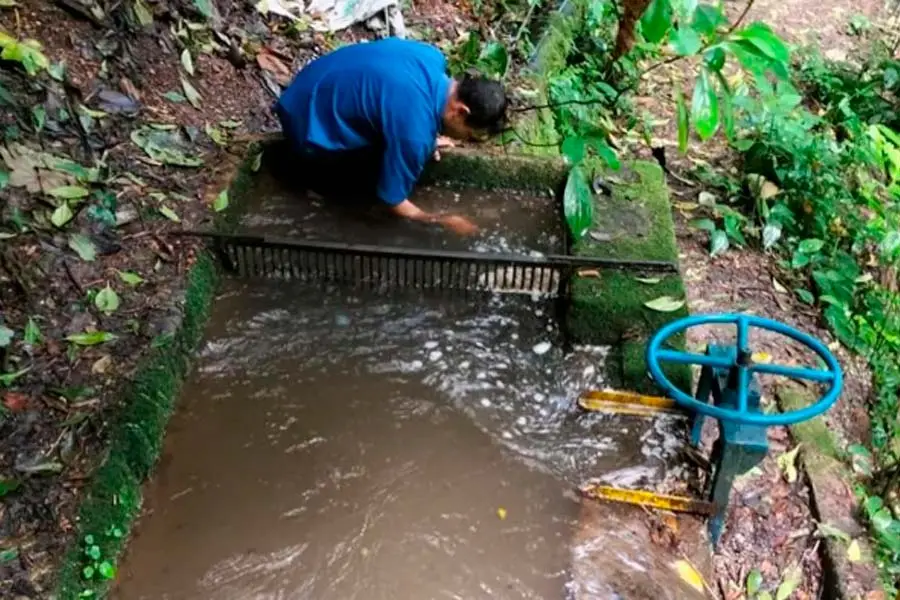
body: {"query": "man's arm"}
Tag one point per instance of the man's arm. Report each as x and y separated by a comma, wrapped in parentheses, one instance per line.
(408, 210)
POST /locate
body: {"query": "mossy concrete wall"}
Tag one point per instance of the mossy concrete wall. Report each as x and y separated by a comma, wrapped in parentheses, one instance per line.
(112, 500)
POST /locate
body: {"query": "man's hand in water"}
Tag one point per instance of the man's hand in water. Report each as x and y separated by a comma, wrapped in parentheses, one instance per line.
(459, 225)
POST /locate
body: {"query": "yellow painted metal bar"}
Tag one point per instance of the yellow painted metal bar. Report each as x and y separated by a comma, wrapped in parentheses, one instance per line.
(627, 403)
(649, 499)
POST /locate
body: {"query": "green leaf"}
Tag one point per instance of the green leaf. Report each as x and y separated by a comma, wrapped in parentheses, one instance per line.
(142, 13)
(32, 335)
(93, 552)
(169, 214)
(684, 121)
(664, 304)
(107, 300)
(175, 97)
(714, 58)
(107, 570)
(92, 338)
(57, 71)
(4, 178)
(605, 152)
(805, 296)
(704, 224)
(764, 39)
(707, 18)
(7, 486)
(792, 579)
(727, 110)
(130, 278)
(718, 242)
(221, 201)
(88, 572)
(811, 246)
(7, 379)
(573, 149)
(216, 135)
(187, 62)
(69, 192)
(39, 115)
(62, 215)
(686, 42)
(191, 93)
(578, 204)
(205, 8)
(494, 60)
(6, 336)
(257, 162)
(705, 107)
(83, 246)
(648, 280)
(754, 582)
(656, 21)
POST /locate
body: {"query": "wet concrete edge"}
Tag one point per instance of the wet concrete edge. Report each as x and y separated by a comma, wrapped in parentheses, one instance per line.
(832, 503)
(112, 499)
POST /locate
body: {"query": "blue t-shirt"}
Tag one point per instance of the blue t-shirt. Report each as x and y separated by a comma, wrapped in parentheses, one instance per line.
(388, 94)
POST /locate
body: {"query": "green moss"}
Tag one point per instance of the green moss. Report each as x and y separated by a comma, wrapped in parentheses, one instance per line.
(227, 220)
(813, 433)
(627, 367)
(490, 171)
(635, 221)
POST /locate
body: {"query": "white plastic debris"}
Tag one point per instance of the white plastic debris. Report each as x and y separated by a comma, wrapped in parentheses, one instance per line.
(542, 348)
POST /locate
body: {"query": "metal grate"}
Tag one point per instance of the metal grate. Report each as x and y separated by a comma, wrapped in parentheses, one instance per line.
(386, 267)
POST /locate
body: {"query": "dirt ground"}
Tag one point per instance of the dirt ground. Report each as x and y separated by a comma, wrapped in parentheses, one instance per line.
(53, 422)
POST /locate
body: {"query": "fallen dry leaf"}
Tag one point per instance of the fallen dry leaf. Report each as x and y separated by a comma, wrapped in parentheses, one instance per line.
(271, 63)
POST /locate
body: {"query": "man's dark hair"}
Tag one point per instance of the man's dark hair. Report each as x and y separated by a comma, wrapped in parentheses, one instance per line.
(486, 101)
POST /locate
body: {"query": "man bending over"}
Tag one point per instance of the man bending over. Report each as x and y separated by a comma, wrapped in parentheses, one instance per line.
(391, 102)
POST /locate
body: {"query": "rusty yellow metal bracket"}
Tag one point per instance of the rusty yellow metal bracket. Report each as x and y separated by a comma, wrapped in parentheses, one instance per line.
(627, 403)
(649, 499)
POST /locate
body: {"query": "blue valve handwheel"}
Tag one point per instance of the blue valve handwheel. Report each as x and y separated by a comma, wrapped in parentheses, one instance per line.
(832, 375)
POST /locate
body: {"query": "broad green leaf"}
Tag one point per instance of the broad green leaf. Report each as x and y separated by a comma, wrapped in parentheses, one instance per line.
(62, 215)
(573, 149)
(221, 201)
(578, 204)
(191, 93)
(7, 486)
(705, 107)
(685, 41)
(811, 246)
(605, 152)
(707, 18)
(718, 242)
(57, 71)
(494, 60)
(69, 192)
(792, 579)
(763, 38)
(187, 62)
(6, 336)
(205, 7)
(754, 582)
(91, 338)
(130, 278)
(107, 300)
(83, 246)
(656, 21)
(216, 135)
(664, 304)
(107, 570)
(32, 335)
(169, 214)
(684, 121)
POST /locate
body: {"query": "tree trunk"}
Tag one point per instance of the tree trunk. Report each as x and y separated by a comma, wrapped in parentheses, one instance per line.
(632, 10)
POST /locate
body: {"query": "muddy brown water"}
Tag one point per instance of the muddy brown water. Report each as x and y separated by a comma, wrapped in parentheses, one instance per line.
(333, 445)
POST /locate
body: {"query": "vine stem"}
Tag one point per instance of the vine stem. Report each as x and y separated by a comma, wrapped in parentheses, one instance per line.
(532, 5)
